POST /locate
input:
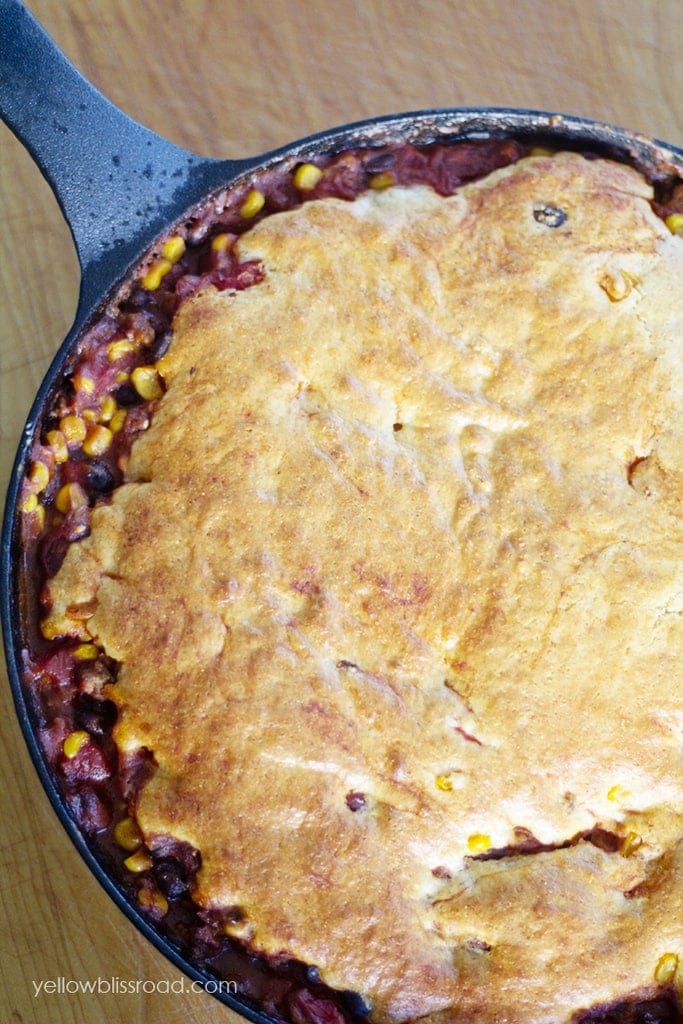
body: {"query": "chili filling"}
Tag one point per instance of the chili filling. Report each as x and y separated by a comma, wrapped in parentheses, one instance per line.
(80, 457)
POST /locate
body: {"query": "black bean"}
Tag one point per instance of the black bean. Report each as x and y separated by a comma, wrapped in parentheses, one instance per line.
(96, 716)
(127, 395)
(355, 801)
(551, 216)
(171, 877)
(101, 477)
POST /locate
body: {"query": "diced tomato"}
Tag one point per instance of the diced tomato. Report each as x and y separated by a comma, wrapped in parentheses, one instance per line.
(88, 765)
(306, 1008)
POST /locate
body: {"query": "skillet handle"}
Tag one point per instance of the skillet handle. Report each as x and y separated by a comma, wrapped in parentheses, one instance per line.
(119, 185)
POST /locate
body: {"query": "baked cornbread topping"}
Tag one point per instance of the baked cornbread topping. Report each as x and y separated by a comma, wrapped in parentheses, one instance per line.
(392, 585)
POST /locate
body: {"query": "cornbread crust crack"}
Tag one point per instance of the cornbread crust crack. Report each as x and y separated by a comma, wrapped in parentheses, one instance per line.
(489, 570)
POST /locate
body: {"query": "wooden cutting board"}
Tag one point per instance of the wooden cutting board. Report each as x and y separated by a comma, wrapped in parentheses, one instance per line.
(226, 78)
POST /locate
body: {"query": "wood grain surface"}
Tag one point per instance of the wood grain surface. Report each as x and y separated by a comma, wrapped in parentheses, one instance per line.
(229, 78)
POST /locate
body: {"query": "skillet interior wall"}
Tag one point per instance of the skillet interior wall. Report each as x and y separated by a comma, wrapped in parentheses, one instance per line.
(228, 79)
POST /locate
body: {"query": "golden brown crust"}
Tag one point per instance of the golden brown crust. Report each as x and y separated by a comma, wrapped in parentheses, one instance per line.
(406, 524)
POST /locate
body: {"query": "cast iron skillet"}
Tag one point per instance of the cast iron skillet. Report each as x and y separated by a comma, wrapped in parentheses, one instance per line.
(120, 187)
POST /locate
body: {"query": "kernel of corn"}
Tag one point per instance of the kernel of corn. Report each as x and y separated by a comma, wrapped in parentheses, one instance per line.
(69, 497)
(479, 843)
(39, 517)
(253, 204)
(146, 382)
(444, 783)
(162, 366)
(117, 421)
(674, 222)
(666, 969)
(39, 476)
(153, 900)
(631, 843)
(73, 428)
(118, 349)
(138, 861)
(30, 503)
(307, 176)
(83, 384)
(109, 407)
(383, 180)
(50, 630)
(74, 742)
(156, 273)
(121, 377)
(89, 415)
(222, 242)
(85, 652)
(173, 248)
(98, 440)
(58, 446)
(616, 794)
(127, 835)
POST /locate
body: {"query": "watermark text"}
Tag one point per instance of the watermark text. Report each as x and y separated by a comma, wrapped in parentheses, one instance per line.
(119, 986)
